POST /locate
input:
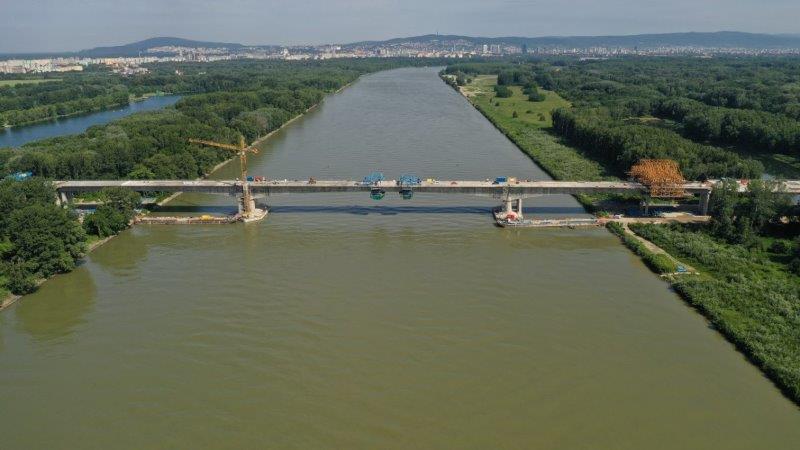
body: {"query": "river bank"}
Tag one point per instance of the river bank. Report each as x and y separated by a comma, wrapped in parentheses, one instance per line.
(93, 244)
(77, 123)
(750, 328)
(10, 299)
(88, 112)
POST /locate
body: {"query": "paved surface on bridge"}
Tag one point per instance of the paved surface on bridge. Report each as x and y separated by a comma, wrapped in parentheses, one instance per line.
(435, 186)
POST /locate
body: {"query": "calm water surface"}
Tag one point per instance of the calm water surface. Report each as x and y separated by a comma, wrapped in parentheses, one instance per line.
(340, 322)
(15, 137)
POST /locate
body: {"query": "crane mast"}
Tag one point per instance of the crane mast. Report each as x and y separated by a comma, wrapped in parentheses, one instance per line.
(242, 150)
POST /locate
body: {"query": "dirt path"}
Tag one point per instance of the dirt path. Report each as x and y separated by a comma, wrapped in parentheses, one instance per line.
(658, 250)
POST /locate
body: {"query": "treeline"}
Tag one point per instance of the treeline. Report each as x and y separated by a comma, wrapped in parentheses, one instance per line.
(37, 238)
(769, 84)
(751, 103)
(620, 145)
(740, 217)
(117, 96)
(763, 131)
(260, 97)
(98, 88)
(72, 94)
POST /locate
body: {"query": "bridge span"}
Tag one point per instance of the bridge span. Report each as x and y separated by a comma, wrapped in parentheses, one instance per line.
(508, 192)
(489, 188)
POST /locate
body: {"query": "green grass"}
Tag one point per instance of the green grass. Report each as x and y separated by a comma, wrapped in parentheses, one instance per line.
(91, 239)
(518, 102)
(29, 81)
(534, 136)
(531, 134)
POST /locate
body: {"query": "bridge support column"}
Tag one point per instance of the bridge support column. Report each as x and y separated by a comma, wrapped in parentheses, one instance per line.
(64, 198)
(519, 207)
(508, 206)
(704, 200)
(240, 203)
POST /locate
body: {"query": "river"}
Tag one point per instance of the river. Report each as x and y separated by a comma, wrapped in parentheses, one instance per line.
(341, 322)
(15, 137)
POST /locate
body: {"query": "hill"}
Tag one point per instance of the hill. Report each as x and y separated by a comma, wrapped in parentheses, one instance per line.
(722, 39)
(142, 46)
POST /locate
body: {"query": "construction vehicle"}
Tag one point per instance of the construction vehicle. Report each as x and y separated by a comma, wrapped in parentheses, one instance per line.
(374, 178)
(249, 211)
(406, 183)
(20, 176)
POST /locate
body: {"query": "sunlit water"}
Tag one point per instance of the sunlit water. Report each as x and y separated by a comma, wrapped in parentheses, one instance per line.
(341, 322)
(15, 137)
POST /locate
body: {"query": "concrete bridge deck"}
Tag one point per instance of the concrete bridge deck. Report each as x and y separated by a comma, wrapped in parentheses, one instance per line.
(509, 192)
(234, 187)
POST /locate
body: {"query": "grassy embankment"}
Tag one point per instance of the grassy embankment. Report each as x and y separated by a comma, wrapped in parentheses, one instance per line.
(530, 131)
(750, 296)
(657, 262)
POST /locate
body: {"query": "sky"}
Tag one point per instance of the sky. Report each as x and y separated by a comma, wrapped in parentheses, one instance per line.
(66, 25)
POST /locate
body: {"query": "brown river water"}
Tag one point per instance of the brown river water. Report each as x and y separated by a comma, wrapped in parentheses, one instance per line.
(342, 322)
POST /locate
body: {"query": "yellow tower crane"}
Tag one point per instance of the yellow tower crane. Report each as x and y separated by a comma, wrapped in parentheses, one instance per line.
(242, 150)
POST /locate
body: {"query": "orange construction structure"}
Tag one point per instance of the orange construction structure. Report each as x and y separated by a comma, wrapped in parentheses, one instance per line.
(662, 176)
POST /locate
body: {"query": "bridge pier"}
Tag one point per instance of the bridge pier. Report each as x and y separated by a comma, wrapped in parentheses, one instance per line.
(64, 198)
(705, 198)
(513, 205)
(240, 204)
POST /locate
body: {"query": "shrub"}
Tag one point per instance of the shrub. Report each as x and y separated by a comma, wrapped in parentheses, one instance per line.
(503, 91)
(660, 263)
(781, 247)
(20, 279)
(615, 228)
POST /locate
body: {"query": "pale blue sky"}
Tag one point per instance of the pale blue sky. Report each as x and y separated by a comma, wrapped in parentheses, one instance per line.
(58, 25)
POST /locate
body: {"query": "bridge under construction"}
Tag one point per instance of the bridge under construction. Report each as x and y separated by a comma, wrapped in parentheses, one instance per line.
(511, 192)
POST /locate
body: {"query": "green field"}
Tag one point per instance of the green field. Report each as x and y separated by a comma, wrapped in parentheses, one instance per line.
(481, 89)
(530, 130)
(4, 83)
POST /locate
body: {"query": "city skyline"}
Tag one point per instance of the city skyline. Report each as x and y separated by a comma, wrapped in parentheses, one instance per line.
(71, 25)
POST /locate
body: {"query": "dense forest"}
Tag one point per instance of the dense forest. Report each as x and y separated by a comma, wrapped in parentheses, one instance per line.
(753, 104)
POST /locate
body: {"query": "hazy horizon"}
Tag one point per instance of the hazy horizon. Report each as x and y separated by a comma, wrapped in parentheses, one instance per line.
(71, 25)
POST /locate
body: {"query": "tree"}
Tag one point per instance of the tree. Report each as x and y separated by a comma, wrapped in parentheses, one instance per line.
(122, 200)
(114, 215)
(105, 221)
(533, 93)
(502, 91)
(722, 208)
(20, 278)
(46, 236)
